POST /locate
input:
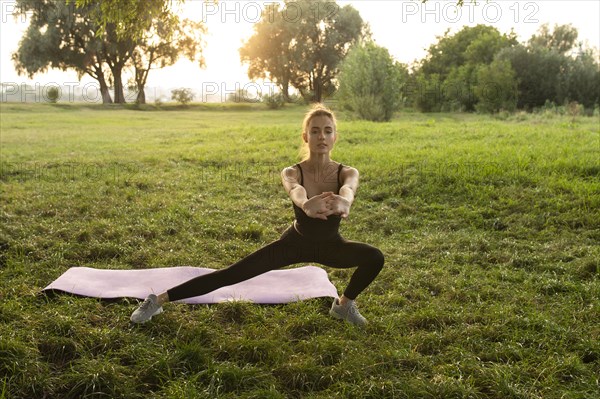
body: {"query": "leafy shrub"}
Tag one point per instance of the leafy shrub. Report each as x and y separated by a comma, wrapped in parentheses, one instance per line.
(53, 94)
(182, 96)
(548, 108)
(159, 101)
(570, 108)
(427, 96)
(243, 96)
(457, 93)
(274, 101)
(496, 88)
(295, 98)
(371, 82)
(574, 109)
(370, 107)
(502, 115)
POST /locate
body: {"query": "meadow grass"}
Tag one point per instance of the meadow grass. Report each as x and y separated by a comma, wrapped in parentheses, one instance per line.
(490, 228)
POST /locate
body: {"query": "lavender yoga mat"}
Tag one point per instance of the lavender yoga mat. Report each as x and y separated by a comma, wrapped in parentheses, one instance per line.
(276, 286)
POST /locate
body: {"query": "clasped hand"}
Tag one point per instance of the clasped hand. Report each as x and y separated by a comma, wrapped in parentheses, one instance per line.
(326, 204)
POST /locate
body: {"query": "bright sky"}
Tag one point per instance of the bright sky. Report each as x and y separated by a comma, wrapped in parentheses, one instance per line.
(405, 27)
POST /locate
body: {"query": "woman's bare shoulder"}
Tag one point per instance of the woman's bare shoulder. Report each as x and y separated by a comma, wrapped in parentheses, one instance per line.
(291, 171)
(349, 170)
(349, 176)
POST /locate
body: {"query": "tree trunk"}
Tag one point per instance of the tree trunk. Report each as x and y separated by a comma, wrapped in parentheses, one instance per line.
(141, 96)
(317, 89)
(318, 93)
(105, 92)
(106, 99)
(119, 95)
(319, 83)
(116, 53)
(141, 76)
(96, 72)
(285, 90)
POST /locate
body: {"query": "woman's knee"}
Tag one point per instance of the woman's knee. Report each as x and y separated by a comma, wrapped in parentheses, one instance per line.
(378, 258)
(374, 258)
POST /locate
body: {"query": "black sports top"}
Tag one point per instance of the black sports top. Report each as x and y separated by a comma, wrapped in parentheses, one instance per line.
(317, 228)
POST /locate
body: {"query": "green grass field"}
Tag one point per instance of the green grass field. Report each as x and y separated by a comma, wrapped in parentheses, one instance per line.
(490, 227)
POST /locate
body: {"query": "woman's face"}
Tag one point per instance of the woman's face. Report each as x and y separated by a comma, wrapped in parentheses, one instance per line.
(320, 135)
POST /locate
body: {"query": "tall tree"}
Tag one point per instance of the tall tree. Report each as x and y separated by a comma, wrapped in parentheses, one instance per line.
(267, 51)
(547, 71)
(453, 62)
(303, 46)
(124, 23)
(126, 18)
(537, 72)
(324, 34)
(60, 36)
(116, 52)
(65, 35)
(583, 78)
(562, 39)
(163, 44)
(474, 45)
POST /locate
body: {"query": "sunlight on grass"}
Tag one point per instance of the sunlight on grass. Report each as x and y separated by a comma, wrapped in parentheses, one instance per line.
(490, 229)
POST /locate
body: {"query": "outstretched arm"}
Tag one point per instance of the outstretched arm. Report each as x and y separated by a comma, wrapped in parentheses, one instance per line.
(341, 203)
(316, 207)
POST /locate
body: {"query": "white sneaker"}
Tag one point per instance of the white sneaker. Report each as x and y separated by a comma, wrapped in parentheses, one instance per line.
(146, 310)
(348, 312)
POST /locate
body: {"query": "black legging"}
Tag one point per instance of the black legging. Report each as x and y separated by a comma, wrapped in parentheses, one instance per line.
(292, 248)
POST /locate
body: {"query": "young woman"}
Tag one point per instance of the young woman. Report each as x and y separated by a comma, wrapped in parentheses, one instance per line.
(322, 192)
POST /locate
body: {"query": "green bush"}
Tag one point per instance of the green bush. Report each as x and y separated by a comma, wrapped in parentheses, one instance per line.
(53, 94)
(548, 107)
(182, 96)
(428, 93)
(574, 109)
(274, 101)
(496, 88)
(242, 96)
(371, 82)
(569, 108)
(456, 92)
(296, 99)
(370, 107)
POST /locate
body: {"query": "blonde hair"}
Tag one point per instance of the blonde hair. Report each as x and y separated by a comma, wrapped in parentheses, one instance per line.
(317, 109)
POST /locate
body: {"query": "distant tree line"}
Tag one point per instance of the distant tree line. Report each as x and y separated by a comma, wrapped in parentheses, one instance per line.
(476, 69)
(479, 69)
(321, 50)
